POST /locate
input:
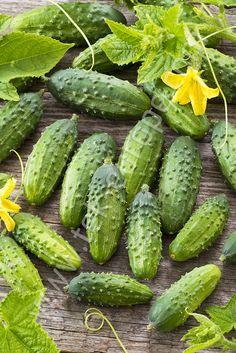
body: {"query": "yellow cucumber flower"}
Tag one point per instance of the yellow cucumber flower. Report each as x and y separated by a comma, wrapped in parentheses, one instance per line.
(7, 206)
(190, 88)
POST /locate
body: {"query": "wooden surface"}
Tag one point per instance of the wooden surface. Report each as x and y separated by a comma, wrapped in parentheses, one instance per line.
(61, 316)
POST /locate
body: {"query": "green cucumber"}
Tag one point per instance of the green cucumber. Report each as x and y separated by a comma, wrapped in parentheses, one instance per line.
(179, 183)
(224, 150)
(3, 179)
(98, 94)
(173, 307)
(180, 118)
(88, 158)
(144, 235)
(42, 241)
(106, 211)
(140, 155)
(52, 22)
(16, 267)
(18, 120)
(48, 160)
(229, 249)
(108, 289)
(201, 230)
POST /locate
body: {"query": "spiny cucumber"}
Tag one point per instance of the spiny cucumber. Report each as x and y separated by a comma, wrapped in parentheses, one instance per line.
(229, 249)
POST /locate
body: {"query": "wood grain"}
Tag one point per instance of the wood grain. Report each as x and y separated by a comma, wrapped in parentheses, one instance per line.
(61, 316)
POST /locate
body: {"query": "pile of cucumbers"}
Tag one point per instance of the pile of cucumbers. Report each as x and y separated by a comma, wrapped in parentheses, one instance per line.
(116, 195)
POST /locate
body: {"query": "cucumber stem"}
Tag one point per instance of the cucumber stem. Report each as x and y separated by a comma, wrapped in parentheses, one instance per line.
(222, 258)
(145, 188)
(75, 117)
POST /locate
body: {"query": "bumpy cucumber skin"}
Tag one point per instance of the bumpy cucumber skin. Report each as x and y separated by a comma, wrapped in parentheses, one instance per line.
(109, 289)
(38, 238)
(140, 155)
(3, 179)
(229, 249)
(16, 268)
(172, 308)
(179, 183)
(98, 94)
(89, 157)
(144, 235)
(225, 151)
(180, 118)
(106, 212)
(48, 160)
(18, 120)
(50, 21)
(102, 63)
(201, 230)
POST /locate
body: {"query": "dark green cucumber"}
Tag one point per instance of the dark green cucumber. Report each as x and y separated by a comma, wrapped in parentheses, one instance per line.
(3, 179)
(140, 155)
(179, 183)
(18, 120)
(16, 268)
(173, 307)
(98, 94)
(101, 62)
(89, 157)
(225, 150)
(52, 22)
(38, 238)
(229, 249)
(180, 118)
(106, 211)
(144, 235)
(48, 160)
(108, 289)
(201, 230)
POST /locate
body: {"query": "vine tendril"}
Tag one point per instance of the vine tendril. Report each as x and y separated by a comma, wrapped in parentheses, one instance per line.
(22, 175)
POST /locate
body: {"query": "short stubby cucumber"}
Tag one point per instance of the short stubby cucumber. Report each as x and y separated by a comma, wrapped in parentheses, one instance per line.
(108, 289)
(101, 62)
(224, 149)
(173, 307)
(16, 268)
(179, 183)
(3, 179)
(229, 249)
(98, 94)
(144, 234)
(180, 118)
(88, 158)
(140, 155)
(38, 238)
(52, 22)
(106, 211)
(202, 229)
(48, 160)
(18, 120)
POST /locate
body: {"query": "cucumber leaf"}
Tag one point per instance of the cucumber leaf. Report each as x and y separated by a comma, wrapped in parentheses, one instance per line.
(28, 55)
(5, 21)
(8, 91)
(228, 3)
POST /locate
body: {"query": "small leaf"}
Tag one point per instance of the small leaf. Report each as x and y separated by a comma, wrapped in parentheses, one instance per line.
(8, 91)
(5, 21)
(128, 34)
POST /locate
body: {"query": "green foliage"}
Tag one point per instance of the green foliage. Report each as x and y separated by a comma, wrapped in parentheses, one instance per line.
(8, 91)
(4, 21)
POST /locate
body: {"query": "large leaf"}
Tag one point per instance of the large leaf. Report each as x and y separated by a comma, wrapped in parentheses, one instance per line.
(31, 55)
(8, 91)
(4, 21)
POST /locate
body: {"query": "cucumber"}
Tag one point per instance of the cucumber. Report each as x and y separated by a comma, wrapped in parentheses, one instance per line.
(144, 235)
(108, 289)
(225, 151)
(3, 179)
(52, 22)
(16, 268)
(106, 211)
(179, 183)
(180, 118)
(140, 155)
(98, 94)
(38, 238)
(229, 249)
(101, 62)
(88, 158)
(18, 120)
(48, 160)
(173, 307)
(201, 230)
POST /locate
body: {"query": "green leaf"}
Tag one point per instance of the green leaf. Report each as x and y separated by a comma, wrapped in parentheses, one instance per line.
(224, 316)
(218, 2)
(5, 20)
(28, 55)
(128, 34)
(145, 13)
(8, 91)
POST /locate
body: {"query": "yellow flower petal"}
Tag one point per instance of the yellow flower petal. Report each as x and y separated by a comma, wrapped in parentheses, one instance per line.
(7, 189)
(9, 222)
(173, 80)
(211, 92)
(182, 95)
(9, 206)
(198, 99)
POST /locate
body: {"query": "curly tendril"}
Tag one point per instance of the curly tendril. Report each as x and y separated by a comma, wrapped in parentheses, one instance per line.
(22, 175)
